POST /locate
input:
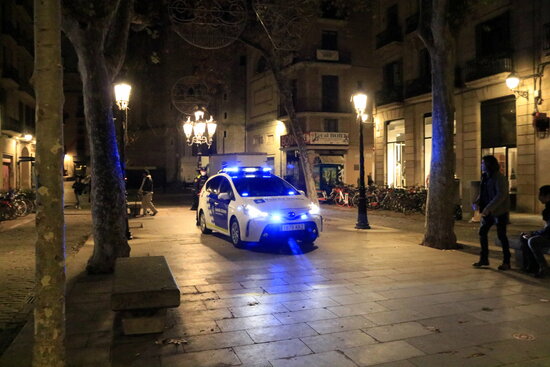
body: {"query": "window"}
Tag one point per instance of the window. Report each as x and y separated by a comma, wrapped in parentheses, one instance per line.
(393, 75)
(330, 93)
(498, 122)
(263, 186)
(212, 186)
(261, 65)
(270, 139)
(329, 40)
(424, 65)
(493, 36)
(258, 139)
(330, 125)
(392, 17)
(546, 38)
(225, 187)
(427, 145)
(395, 147)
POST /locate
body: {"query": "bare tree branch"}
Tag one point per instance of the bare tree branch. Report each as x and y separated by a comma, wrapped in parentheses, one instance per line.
(424, 24)
(117, 36)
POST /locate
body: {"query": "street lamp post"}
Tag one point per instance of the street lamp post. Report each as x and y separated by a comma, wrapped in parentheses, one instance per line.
(122, 96)
(200, 130)
(360, 103)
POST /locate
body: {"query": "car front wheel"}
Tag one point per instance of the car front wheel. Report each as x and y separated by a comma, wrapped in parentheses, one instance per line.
(202, 224)
(235, 233)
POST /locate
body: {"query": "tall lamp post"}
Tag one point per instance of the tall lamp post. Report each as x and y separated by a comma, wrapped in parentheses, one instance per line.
(122, 96)
(200, 129)
(360, 103)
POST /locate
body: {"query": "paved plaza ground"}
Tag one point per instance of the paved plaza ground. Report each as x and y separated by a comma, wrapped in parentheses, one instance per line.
(360, 298)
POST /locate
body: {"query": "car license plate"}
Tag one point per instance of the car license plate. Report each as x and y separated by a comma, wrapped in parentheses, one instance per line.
(293, 227)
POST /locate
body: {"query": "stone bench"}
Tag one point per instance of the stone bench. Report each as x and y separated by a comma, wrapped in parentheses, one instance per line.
(515, 247)
(143, 289)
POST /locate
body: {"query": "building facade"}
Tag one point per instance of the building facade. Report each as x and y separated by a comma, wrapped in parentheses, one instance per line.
(17, 143)
(331, 66)
(496, 39)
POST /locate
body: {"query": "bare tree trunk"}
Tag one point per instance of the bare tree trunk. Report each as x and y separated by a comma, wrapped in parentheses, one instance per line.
(442, 191)
(99, 34)
(295, 128)
(49, 309)
(108, 191)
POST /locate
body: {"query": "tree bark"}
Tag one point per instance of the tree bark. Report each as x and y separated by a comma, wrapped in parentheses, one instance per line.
(49, 308)
(442, 190)
(93, 40)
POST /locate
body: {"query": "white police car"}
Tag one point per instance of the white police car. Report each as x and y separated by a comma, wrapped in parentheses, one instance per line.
(249, 204)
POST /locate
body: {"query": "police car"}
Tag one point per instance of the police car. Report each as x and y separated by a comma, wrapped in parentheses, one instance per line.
(249, 204)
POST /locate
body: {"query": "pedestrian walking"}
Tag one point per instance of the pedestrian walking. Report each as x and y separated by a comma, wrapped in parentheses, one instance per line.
(494, 205)
(78, 188)
(534, 244)
(146, 192)
(198, 183)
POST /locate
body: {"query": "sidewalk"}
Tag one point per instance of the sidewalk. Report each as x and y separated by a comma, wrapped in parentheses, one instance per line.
(371, 298)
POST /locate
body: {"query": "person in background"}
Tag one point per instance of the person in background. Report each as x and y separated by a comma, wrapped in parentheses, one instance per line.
(538, 241)
(494, 205)
(198, 183)
(146, 192)
(78, 188)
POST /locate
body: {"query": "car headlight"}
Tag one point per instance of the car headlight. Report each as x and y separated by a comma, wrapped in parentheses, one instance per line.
(254, 212)
(314, 209)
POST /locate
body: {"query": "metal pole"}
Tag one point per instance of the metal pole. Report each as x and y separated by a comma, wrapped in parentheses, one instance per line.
(362, 219)
(123, 167)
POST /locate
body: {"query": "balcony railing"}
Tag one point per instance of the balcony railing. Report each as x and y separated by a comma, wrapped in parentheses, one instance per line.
(418, 86)
(9, 72)
(389, 95)
(317, 138)
(388, 36)
(311, 105)
(487, 66)
(12, 125)
(411, 23)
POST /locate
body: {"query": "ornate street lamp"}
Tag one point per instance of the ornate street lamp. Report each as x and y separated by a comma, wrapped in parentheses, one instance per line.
(359, 100)
(200, 130)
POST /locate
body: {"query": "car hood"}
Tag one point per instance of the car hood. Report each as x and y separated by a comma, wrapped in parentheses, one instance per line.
(271, 203)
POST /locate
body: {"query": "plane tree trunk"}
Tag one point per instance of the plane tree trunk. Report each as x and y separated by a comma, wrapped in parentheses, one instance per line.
(49, 307)
(437, 34)
(99, 33)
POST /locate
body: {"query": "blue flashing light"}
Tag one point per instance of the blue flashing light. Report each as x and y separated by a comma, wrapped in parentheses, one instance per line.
(249, 176)
(276, 217)
(250, 169)
(264, 176)
(244, 194)
(267, 169)
(303, 216)
(231, 169)
(291, 193)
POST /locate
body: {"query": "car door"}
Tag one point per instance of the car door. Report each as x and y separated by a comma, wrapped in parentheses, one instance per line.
(212, 189)
(222, 205)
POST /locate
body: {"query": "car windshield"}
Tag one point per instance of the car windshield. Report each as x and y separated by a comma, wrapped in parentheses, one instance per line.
(263, 186)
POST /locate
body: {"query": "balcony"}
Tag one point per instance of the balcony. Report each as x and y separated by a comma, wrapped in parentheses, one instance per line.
(9, 72)
(389, 95)
(388, 36)
(26, 87)
(12, 125)
(311, 105)
(487, 66)
(411, 23)
(418, 86)
(318, 138)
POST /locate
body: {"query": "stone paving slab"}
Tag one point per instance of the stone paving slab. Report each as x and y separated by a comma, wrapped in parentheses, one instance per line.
(356, 300)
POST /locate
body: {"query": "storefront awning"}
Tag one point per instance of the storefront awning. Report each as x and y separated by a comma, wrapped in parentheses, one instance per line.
(331, 159)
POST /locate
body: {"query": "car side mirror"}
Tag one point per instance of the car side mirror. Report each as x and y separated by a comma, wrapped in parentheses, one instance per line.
(224, 196)
(302, 192)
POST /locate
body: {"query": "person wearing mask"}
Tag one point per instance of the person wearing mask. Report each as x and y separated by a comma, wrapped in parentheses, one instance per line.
(146, 192)
(494, 205)
(198, 183)
(539, 241)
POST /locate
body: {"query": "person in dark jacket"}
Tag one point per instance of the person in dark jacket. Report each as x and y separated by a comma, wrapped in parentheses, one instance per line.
(146, 192)
(494, 205)
(538, 241)
(198, 183)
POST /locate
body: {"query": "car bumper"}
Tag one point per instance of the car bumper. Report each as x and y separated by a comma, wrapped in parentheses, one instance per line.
(263, 230)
